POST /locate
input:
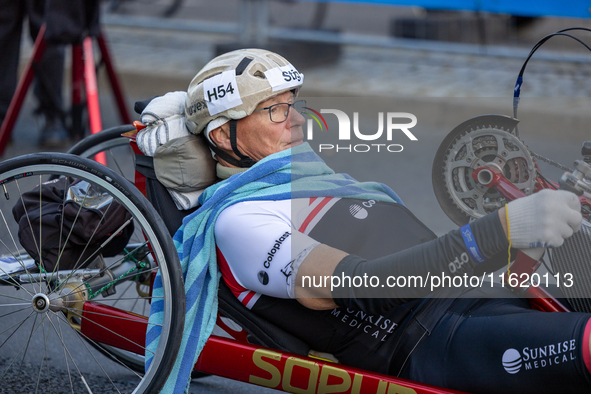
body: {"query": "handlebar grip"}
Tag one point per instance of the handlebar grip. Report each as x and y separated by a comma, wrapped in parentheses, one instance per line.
(586, 151)
(139, 106)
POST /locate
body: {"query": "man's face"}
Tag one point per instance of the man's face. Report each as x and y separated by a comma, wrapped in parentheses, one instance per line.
(258, 137)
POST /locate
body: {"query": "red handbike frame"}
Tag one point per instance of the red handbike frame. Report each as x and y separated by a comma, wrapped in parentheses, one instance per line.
(230, 355)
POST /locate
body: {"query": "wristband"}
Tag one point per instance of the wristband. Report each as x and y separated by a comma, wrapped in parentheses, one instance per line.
(470, 243)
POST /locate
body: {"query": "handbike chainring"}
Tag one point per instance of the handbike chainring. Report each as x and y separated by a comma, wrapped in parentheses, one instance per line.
(477, 142)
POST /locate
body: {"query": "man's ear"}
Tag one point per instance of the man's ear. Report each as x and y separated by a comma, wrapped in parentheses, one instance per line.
(221, 137)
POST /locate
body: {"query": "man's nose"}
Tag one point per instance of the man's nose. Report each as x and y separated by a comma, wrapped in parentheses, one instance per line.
(296, 118)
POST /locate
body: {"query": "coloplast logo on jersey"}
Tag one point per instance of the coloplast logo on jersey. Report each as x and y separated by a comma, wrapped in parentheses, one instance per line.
(386, 139)
(530, 358)
(274, 249)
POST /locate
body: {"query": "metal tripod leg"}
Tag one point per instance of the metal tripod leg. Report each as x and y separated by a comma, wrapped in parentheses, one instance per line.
(84, 79)
(21, 90)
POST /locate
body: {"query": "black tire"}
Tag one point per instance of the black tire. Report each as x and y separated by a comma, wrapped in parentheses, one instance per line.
(116, 148)
(85, 146)
(105, 141)
(157, 252)
(118, 152)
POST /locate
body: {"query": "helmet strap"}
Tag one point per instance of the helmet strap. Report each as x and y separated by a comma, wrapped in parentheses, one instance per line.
(244, 161)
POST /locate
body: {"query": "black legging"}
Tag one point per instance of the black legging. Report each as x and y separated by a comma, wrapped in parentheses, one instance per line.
(48, 93)
(501, 346)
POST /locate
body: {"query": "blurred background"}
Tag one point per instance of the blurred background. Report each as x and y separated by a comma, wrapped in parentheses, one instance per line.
(385, 48)
(442, 60)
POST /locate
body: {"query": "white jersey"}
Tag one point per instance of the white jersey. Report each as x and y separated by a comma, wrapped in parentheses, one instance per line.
(261, 244)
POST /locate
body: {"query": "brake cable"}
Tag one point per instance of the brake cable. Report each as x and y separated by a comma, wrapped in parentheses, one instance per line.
(519, 83)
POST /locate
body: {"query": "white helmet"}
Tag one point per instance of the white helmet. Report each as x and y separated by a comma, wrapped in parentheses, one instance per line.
(232, 85)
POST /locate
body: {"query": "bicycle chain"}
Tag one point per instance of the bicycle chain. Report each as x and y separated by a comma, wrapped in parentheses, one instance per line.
(550, 161)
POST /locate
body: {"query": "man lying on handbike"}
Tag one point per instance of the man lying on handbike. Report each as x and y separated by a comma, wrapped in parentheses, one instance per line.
(282, 226)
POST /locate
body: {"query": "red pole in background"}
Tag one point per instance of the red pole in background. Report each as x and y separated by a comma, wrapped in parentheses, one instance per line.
(115, 85)
(92, 99)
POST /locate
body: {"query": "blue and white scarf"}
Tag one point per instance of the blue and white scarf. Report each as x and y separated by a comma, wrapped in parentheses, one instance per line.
(290, 174)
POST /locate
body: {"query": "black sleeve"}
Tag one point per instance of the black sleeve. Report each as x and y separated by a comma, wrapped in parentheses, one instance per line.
(446, 255)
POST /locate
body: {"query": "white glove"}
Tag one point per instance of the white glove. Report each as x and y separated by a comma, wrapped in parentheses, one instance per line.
(165, 120)
(545, 218)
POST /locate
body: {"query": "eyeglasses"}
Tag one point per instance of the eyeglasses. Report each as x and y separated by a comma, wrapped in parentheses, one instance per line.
(278, 113)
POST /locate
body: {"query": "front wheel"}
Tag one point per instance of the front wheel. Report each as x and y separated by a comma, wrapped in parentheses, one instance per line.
(64, 282)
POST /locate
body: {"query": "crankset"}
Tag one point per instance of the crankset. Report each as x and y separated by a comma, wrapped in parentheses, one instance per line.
(483, 140)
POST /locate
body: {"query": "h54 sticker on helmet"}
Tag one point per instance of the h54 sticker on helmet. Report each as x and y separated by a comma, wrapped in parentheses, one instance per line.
(284, 77)
(221, 92)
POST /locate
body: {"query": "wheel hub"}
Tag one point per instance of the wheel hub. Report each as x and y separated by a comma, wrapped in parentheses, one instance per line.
(71, 297)
(41, 303)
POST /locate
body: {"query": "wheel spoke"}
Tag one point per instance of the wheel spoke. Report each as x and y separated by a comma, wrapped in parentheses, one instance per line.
(21, 304)
(99, 364)
(40, 227)
(73, 310)
(14, 298)
(111, 331)
(91, 238)
(119, 279)
(134, 304)
(17, 249)
(18, 310)
(19, 325)
(61, 335)
(37, 246)
(69, 234)
(130, 298)
(60, 240)
(27, 347)
(124, 291)
(114, 159)
(71, 358)
(98, 344)
(11, 237)
(103, 244)
(17, 284)
(106, 268)
(21, 349)
(44, 359)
